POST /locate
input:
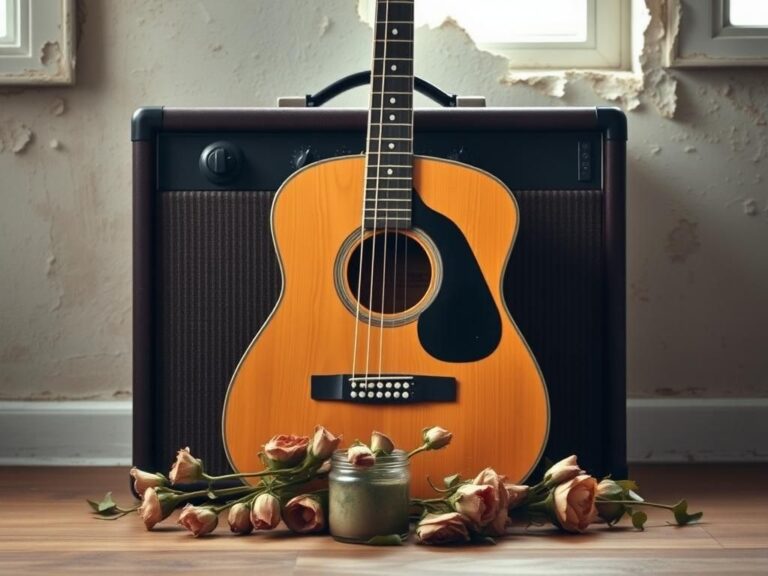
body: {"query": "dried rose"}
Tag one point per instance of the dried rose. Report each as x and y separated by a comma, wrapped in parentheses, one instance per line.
(609, 511)
(186, 469)
(381, 443)
(323, 443)
(304, 514)
(563, 471)
(436, 437)
(442, 529)
(500, 520)
(360, 455)
(239, 519)
(143, 480)
(200, 520)
(156, 507)
(574, 503)
(265, 512)
(516, 494)
(287, 449)
(478, 504)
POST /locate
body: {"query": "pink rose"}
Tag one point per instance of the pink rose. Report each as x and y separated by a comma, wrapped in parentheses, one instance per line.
(156, 507)
(143, 480)
(323, 443)
(442, 529)
(199, 520)
(574, 503)
(436, 437)
(563, 471)
(500, 520)
(360, 455)
(304, 514)
(265, 512)
(381, 443)
(287, 449)
(478, 503)
(239, 519)
(516, 494)
(186, 469)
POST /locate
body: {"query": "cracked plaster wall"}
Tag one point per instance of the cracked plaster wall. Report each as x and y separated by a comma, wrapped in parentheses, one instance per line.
(698, 203)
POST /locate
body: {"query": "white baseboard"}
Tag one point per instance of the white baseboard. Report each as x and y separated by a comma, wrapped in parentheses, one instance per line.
(658, 430)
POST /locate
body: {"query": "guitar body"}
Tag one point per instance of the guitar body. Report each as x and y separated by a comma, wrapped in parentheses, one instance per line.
(455, 324)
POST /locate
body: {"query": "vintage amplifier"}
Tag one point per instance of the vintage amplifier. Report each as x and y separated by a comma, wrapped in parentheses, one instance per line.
(206, 275)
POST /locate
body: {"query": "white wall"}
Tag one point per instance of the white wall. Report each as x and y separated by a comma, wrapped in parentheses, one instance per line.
(698, 199)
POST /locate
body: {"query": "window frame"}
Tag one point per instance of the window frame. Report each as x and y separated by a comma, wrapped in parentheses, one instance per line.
(700, 35)
(37, 24)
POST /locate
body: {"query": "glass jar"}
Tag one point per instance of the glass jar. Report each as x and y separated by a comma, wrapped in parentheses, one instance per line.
(368, 502)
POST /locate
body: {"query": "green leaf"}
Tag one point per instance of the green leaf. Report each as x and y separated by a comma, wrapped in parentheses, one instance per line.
(682, 517)
(106, 507)
(388, 540)
(638, 519)
(452, 480)
(628, 485)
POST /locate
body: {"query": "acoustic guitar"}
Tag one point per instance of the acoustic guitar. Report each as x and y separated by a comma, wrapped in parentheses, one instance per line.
(391, 315)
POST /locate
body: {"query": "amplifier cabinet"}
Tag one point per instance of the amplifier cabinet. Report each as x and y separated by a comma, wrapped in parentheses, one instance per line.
(206, 274)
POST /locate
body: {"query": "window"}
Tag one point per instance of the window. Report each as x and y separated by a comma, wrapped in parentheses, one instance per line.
(36, 41)
(717, 33)
(538, 35)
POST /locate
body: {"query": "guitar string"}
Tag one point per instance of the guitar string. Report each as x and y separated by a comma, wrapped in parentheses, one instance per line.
(378, 177)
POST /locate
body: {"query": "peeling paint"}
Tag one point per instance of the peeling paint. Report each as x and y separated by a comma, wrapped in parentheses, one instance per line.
(58, 107)
(682, 241)
(548, 84)
(658, 84)
(750, 207)
(690, 149)
(325, 25)
(655, 149)
(50, 54)
(54, 144)
(15, 137)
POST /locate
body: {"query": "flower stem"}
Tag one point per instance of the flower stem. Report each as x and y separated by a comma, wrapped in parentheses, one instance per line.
(249, 474)
(636, 503)
(415, 451)
(227, 505)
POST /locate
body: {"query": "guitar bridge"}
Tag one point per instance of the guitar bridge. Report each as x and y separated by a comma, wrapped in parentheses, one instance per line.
(384, 389)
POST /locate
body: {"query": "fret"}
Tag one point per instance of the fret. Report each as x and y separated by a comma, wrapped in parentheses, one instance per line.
(392, 84)
(382, 200)
(397, 12)
(402, 49)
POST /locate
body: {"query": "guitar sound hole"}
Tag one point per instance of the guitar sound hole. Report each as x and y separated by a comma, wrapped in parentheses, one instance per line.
(403, 276)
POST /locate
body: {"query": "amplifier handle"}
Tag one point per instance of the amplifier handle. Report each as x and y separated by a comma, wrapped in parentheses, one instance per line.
(362, 78)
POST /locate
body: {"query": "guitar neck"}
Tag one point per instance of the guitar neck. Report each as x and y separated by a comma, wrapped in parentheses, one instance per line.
(389, 166)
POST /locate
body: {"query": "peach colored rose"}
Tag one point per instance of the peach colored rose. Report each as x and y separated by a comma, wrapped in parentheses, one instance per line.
(500, 521)
(143, 480)
(323, 443)
(563, 471)
(186, 469)
(381, 443)
(574, 503)
(442, 529)
(287, 449)
(516, 494)
(304, 514)
(360, 455)
(265, 512)
(155, 507)
(239, 519)
(479, 504)
(436, 437)
(608, 511)
(199, 520)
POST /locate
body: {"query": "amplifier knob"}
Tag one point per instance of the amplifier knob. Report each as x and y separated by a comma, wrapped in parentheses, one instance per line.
(221, 162)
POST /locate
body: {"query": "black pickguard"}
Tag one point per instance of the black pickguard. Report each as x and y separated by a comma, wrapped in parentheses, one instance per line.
(462, 324)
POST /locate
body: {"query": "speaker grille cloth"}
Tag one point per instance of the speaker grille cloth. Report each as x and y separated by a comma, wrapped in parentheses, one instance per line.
(217, 281)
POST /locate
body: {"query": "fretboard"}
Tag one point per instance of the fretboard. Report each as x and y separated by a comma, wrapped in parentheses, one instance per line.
(389, 163)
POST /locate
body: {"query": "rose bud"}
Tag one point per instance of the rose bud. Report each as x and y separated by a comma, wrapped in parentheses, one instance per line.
(323, 443)
(574, 503)
(516, 494)
(563, 471)
(143, 480)
(199, 520)
(156, 507)
(500, 520)
(324, 469)
(239, 519)
(609, 511)
(304, 514)
(265, 512)
(478, 503)
(436, 437)
(360, 455)
(381, 443)
(186, 469)
(442, 529)
(286, 449)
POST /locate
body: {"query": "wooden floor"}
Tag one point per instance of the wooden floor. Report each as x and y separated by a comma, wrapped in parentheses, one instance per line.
(45, 528)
